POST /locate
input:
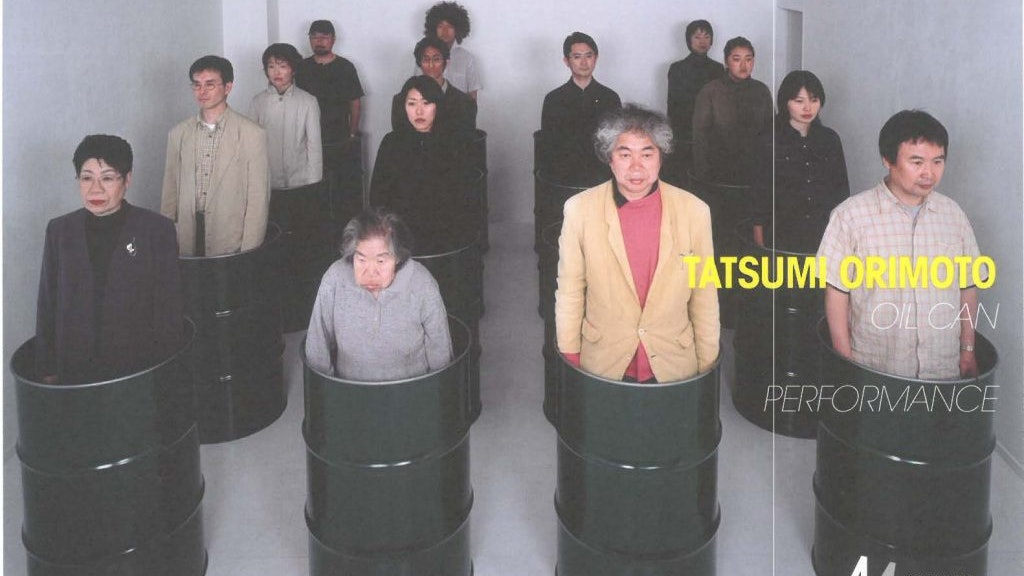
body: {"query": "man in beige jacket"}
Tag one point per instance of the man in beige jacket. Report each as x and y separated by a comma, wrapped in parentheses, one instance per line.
(624, 306)
(216, 182)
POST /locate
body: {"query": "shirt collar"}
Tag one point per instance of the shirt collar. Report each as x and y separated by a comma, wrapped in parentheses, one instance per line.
(273, 90)
(887, 199)
(621, 200)
(219, 125)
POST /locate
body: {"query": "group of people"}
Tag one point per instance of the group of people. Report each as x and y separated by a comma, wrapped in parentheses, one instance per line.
(110, 299)
(624, 307)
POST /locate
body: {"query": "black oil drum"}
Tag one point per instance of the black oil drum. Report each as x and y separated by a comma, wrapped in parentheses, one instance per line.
(776, 342)
(343, 173)
(110, 471)
(388, 479)
(234, 301)
(548, 283)
(637, 475)
(729, 204)
(549, 196)
(904, 479)
(460, 278)
(308, 246)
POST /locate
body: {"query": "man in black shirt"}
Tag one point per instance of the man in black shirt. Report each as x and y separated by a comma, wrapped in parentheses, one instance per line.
(335, 83)
(687, 76)
(571, 114)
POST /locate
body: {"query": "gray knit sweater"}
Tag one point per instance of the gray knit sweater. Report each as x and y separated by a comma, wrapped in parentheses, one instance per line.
(402, 333)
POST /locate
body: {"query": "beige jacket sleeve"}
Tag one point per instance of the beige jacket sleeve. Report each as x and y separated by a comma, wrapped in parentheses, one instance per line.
(703, 306)
(571, 291)
(257, 205)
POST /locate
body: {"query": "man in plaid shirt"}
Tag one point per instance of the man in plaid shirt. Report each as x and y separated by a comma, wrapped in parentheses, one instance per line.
(910, 329)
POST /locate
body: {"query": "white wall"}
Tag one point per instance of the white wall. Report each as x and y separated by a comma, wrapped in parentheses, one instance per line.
(960, 61)
(76, 68)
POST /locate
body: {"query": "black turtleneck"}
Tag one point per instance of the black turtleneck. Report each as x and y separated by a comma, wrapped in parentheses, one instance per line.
(101, 234)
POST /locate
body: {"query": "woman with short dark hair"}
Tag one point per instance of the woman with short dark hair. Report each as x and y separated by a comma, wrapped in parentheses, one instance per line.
(110, 300)
(801, 165)
(378, 314)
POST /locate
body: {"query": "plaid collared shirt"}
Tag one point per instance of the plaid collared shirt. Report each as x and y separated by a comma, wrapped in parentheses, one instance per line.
(912, 332)
(207, 142)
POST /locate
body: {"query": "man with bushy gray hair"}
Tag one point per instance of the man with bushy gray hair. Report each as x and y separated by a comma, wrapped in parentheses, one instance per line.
(624, 307)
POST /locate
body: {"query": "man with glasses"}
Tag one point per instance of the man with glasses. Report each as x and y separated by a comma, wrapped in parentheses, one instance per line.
(571, 113)
(335, 83)
(216, 183)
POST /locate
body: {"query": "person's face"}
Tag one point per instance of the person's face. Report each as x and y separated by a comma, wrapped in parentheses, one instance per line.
(280, 73)
(581, 61)
(374, 264)
(102, 188)
(916, 172)
(446, 32)
(635, 163)
(210, 91)
(803, 109)
(432, 63)
(740, 63)
(700, 42)
(321, 43)
(420, 112)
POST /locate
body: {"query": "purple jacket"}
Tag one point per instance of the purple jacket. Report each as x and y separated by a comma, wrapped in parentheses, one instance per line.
(141, 320)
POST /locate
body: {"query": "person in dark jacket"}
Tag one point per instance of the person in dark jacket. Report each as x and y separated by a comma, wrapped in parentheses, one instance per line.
(687, 76)
(421, 173)
(728, 116)
(809, 170)
(110, 300)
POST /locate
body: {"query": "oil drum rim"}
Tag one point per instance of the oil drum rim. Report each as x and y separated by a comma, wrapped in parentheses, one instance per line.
(456, 360)
(190, 334)
(474, 243)
(656, 386)
(980, 342)
(749, 244)
(271, 237)
(730, 187)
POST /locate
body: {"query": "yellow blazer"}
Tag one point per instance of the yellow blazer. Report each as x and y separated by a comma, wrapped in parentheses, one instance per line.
(238, 200)
(597, 310)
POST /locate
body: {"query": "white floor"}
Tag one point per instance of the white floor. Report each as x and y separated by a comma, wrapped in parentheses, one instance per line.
(256, 487)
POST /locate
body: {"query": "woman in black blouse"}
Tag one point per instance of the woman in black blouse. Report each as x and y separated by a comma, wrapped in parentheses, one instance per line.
(809, 170)
(421, 174)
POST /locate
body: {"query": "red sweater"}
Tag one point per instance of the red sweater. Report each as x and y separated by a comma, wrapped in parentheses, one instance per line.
(641, 232)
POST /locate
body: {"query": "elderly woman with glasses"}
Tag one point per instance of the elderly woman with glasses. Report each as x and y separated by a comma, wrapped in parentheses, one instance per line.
(378, 315)
(110, 298)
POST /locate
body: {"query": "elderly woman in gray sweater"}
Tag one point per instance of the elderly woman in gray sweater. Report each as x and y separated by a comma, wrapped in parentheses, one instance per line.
(378, 314)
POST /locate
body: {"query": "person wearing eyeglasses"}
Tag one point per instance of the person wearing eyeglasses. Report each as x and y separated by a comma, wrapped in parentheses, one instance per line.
(110, 300)
(432, 56)
(216, 179)
(334, 81)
